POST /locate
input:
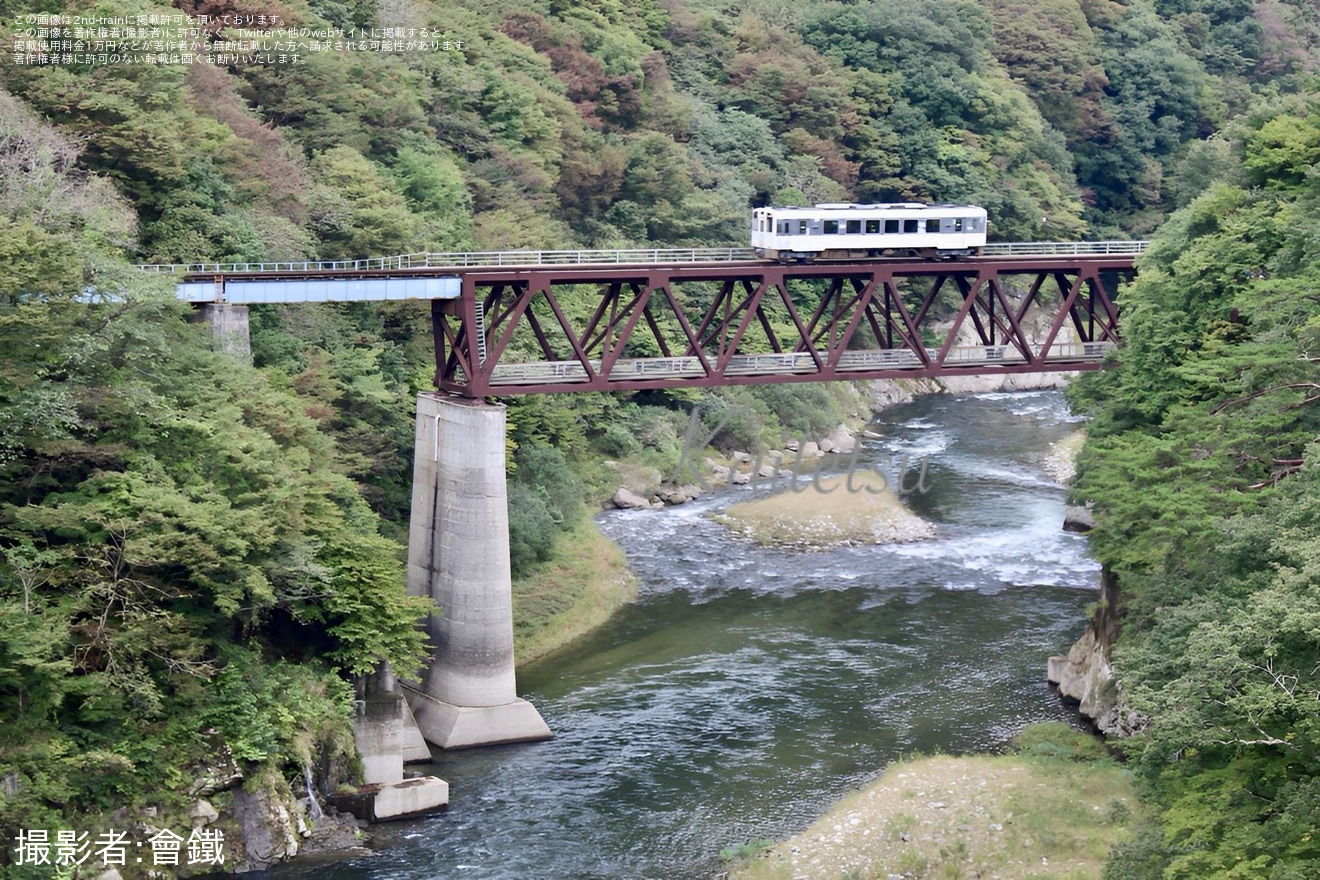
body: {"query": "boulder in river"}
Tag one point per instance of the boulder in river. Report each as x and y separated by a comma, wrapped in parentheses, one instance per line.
(671, 494)
(1078, 518)
(625, 499)
(841, 442)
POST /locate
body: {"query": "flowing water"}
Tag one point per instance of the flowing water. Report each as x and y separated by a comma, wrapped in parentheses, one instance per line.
(748, 688)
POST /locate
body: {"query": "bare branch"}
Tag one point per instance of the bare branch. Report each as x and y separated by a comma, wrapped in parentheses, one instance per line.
(1218, 408)
(1266, 740)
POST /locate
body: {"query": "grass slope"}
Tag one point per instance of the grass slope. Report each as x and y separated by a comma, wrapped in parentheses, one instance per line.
(577, 590)
(1052, 810)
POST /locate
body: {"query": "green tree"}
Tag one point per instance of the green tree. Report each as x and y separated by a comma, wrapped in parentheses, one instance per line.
(357, 211)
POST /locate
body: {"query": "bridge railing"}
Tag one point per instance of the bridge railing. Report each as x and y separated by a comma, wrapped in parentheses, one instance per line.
(447, 260)
(771, 363)
(630, 256)
(1062, 248)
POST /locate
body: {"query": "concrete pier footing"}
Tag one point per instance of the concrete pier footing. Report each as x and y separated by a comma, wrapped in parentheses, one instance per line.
(378, 727)
(382, 732)
(458, 554)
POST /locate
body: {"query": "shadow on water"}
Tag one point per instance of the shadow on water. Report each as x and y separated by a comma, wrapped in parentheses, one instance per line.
(747, 689)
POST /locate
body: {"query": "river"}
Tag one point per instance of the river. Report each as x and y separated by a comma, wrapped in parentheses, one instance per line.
(748, 688)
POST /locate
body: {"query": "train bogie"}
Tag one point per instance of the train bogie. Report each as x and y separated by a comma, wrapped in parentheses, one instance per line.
(852, 232)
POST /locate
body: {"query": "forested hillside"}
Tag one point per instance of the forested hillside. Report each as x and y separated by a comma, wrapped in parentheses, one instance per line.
(605, 123)
(183, 564)
(1213, 410)
(190, 544)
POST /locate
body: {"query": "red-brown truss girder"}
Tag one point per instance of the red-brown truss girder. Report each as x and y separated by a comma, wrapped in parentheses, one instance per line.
(575, 328)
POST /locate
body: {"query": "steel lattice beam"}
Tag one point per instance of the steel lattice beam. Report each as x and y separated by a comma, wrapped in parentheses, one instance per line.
(549, 329)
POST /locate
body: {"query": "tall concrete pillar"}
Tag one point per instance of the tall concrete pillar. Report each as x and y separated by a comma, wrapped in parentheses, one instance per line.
(458, 554)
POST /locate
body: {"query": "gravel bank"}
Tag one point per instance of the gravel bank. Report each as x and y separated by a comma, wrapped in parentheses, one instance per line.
(857, 508)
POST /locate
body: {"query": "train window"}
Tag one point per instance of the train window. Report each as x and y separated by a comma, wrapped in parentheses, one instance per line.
(854, 226)
(802, 227)
(958, 224)
(872, 226)
(911, 225)
(932, 226)
(831, 227)
(891, 226)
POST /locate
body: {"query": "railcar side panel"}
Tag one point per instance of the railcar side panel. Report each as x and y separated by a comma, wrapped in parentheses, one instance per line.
(834, 231)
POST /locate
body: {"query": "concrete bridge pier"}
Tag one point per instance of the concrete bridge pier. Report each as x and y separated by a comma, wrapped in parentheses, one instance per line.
(458, 554)
(229, 328)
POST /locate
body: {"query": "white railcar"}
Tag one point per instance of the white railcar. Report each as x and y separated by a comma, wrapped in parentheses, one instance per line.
(836, 231)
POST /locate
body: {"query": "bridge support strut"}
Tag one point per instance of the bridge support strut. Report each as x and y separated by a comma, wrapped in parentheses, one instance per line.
(458, 554)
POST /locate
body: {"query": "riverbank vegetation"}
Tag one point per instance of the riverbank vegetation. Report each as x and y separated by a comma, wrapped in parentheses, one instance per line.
(173, 522)
(1053, 807)
(577, 589)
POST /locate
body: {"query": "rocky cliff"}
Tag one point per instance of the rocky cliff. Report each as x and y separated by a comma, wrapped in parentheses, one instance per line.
(1085, 674)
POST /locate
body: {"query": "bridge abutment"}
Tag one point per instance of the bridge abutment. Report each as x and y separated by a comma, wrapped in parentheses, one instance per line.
(458, 554)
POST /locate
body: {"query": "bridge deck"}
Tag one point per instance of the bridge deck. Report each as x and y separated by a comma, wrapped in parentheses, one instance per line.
(397, 277)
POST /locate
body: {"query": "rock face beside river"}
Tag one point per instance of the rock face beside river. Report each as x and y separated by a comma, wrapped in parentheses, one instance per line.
(1086, 676)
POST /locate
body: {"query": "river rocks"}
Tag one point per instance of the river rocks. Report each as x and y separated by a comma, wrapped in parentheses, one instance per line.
(221, 773)
(841, 442)
(667, 495)
(1003, 382)
(1085, 675)
(885, 393)
(269, 831)
(670, 494)
(857, 508)
(203, 814)
(1060, 461)
(625, 499)
(335, 833)
(1078, 518)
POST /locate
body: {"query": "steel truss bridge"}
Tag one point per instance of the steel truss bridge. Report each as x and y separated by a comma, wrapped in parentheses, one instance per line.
(553, 321)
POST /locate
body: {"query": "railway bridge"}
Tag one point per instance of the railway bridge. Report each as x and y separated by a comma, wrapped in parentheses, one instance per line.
(551, 321)
(557, 321)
